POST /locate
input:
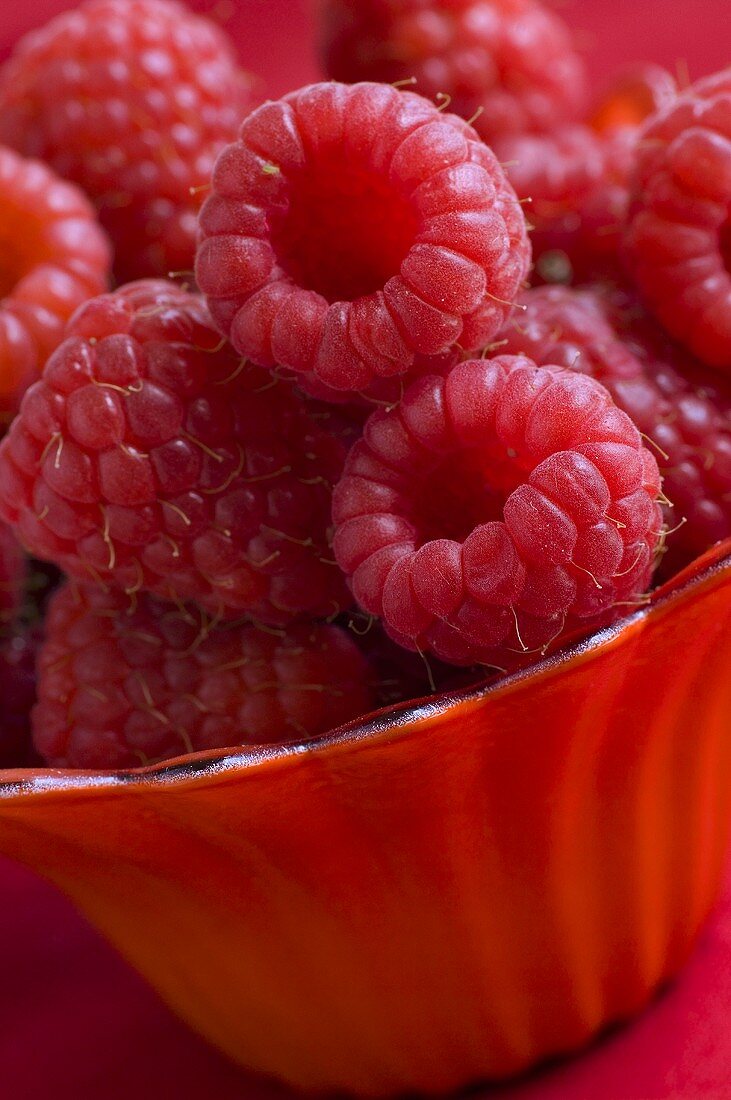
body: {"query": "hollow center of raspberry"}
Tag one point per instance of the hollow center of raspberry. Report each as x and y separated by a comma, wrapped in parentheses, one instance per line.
(345, 233)
(463, 492)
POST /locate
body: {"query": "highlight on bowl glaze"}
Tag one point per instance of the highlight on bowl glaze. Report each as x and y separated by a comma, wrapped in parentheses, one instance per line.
(443, 893)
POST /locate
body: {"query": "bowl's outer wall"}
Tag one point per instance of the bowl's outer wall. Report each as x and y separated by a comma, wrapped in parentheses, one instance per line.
(433, 900)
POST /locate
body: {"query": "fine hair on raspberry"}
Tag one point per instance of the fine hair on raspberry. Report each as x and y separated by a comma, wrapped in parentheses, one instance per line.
(494, 512)
(351, 229)
(151, 456)
(125, 684)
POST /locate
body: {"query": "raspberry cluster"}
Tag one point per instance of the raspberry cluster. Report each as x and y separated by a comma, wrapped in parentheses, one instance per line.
(509, 65)
(355, 458)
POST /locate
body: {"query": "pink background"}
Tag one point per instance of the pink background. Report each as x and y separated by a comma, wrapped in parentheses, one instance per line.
(75, 1022)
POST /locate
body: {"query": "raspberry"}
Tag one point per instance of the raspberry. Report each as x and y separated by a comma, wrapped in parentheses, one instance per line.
(150, 455)
(678, 235)
(120, 686)
(576, 181)
(576, 178)
(681, 407)
(508, 64)
(352, 229)
(496, 511)
(12, 575)
(54, 256)
(634, 94)
(17, 696)
(131, 99)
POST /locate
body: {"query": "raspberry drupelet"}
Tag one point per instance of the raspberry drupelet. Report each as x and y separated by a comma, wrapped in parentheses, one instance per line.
(132, 100)
(678, 234)
(351, 230)
(493, 513)
(150, 455)
(510, 65)
(121, 685)
(53, 256)
(682, 408)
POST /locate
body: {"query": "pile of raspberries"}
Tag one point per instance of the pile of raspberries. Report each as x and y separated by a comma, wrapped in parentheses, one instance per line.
(400, 382)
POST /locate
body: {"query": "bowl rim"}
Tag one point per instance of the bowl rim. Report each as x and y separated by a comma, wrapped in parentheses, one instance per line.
(211, 762)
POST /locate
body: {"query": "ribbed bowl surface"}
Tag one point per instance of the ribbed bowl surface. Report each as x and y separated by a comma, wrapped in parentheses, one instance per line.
(445, 893)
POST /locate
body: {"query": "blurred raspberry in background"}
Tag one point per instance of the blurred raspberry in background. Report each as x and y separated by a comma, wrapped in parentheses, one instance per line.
(276, 37)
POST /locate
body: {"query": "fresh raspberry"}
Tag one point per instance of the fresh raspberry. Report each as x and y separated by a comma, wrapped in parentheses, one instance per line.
(12, 575)
(120, 686)
(131, 99)
(150, 455)
(351, 229)
(634, 94)
(496, 511)
(54, 256)
(17, 696)
(678, 236)
(575, 181)
(508, 64)
(677, 404)
(685, 409)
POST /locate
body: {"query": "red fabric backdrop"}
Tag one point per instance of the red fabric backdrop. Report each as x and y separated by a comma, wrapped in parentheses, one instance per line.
(75, 1022)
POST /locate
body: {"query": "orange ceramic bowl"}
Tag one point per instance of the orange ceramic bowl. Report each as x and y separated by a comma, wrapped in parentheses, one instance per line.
(443, 893)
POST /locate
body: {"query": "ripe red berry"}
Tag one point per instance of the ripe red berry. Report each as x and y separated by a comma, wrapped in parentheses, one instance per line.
(574, 181)
(508, 64)
(131, 99)
(121, 684)
(682, 408)
(678, 235)
(634, 93)
(491, 513)
(54, 256)
(352, 229)
(151, 456)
